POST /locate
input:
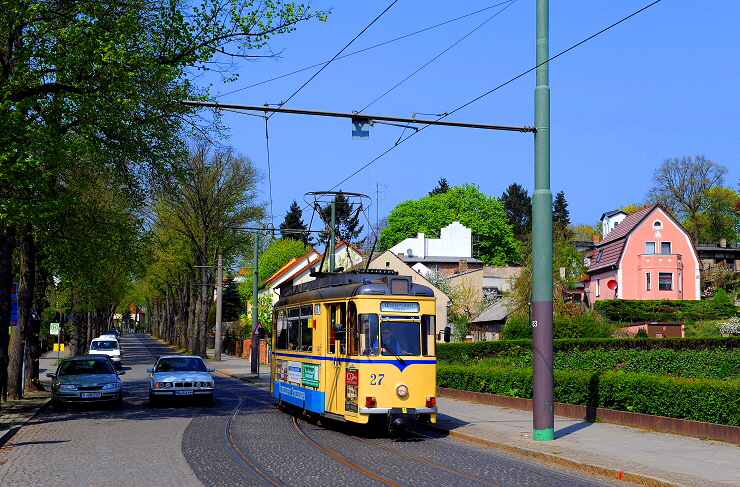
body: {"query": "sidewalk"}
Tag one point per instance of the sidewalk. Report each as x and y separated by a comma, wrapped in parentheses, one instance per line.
(634, 455)
(16, 413)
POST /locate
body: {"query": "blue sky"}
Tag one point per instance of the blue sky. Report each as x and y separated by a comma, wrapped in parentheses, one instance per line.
(662, 84)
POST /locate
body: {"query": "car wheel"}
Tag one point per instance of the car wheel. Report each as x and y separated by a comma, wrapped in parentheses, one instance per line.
(153, 401)
(208, 401)
(118, 403)
(57, 406)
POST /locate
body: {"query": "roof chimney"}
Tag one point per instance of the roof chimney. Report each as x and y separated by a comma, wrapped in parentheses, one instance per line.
(723, 242)
(597, 239)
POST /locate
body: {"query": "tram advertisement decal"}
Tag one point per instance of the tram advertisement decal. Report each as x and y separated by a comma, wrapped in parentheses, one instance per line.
(281, 370)
(294, 372)
(310, 375)
(352, 380)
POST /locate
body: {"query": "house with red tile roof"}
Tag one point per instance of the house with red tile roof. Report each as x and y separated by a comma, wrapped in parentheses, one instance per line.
(649, 255)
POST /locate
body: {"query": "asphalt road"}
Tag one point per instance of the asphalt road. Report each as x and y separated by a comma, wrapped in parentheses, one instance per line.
(243, 440)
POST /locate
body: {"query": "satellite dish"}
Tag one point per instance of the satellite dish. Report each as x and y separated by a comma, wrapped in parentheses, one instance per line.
(612, 284)
(409, 252)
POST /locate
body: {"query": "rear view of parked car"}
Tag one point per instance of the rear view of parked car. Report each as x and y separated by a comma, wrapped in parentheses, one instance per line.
(86, 379)
(106, 345)
(180, 377)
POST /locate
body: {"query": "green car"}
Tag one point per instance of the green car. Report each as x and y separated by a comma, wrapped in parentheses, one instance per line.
(86, 379)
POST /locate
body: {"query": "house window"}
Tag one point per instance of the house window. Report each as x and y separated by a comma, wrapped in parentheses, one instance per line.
(598, 257)
(436, 268)
(615, 224)
(647, 281)
(649, 247)
(665, 281)
(598, 287)
(657, 225)
(680, 287)
(665, 247)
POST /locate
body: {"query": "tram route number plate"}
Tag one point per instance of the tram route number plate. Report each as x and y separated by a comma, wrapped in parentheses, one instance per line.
(88, 395)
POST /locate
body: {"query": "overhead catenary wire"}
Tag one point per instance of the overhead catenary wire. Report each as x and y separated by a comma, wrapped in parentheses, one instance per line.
(367, 48)
(340, 52)
(439, 55)
(495, 89)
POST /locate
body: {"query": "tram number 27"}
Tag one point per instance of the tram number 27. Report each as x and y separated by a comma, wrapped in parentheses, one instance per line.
(376, 379)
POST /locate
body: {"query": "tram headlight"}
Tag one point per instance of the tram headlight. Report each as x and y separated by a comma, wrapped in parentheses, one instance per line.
(402, 390)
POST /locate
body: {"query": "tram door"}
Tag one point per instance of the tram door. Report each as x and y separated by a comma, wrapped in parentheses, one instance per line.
(335, 351)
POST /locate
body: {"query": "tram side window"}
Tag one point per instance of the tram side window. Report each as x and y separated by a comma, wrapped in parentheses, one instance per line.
(337, 330)
(353, 336)
(306, 343)
(369, 334)
(281, 331)
(428, 335)
(293, 328)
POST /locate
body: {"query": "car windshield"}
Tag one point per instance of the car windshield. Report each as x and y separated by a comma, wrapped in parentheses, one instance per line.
(101, 345)
(181, 365)
(82, 367)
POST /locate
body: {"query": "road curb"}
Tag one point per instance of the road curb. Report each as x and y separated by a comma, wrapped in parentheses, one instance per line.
(559, 460)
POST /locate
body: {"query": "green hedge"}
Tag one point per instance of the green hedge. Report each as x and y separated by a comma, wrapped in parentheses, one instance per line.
(633, 311)
(693, 399)
(461, 352)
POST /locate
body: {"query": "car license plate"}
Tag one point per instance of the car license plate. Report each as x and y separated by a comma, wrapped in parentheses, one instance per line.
(183, 393)
(88, 395)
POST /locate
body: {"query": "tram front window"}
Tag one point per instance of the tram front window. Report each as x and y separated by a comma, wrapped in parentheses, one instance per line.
(400, 338)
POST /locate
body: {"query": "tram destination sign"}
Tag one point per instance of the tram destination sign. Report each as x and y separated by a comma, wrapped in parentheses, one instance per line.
(399, 307)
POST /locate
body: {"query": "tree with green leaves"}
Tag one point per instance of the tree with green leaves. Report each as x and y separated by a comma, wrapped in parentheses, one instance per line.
(484, 215)
(719, 218)
(293, 226)
(202, 209)
(441, 188)
(99, 84)
(518, 207)
(279, 252)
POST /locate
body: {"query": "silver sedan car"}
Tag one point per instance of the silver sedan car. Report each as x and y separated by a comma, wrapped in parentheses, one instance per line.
(86, 379)
(180, 377)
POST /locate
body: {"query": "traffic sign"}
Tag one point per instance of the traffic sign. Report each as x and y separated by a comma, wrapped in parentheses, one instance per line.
(54, 328)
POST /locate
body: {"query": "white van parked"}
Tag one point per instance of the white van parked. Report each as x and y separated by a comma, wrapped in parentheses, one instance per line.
(107, 345)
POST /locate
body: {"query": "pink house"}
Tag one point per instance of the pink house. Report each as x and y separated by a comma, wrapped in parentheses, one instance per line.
(649, 255)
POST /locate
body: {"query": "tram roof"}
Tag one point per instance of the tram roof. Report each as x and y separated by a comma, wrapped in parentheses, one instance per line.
(345, 284)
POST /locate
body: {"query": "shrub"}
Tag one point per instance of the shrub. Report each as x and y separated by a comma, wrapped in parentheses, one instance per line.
(692, 399)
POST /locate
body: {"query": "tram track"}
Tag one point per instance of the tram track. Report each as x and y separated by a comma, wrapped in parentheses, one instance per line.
(339, 456)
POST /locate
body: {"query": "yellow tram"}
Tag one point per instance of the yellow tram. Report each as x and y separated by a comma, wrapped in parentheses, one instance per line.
(357, 346)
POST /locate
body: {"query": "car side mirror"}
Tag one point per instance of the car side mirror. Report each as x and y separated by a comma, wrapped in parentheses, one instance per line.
(211, 369)
(51, 374)
(150, 370)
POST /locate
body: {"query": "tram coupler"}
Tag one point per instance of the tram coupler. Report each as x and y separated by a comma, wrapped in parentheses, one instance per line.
(401, 421)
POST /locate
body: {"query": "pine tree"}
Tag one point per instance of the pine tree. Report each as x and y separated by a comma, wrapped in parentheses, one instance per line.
(560, 213)
(233, 305)
(442, 187)
(347, 218)
(293, 221)
(518, 207)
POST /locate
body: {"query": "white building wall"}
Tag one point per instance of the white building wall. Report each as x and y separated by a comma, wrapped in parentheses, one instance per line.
(455, 240)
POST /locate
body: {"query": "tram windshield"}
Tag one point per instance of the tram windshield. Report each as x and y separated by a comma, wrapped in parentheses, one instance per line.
(389, 336)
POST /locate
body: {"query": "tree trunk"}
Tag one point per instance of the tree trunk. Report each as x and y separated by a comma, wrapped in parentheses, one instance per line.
(7, 244)
(76, 341)
(34, 349)
(26, 284)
